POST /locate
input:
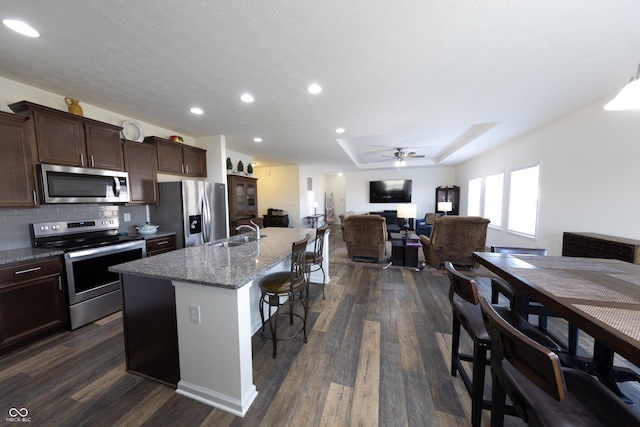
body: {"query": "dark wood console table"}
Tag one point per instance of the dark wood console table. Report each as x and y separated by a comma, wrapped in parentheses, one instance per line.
(593, 245)
(275, 220)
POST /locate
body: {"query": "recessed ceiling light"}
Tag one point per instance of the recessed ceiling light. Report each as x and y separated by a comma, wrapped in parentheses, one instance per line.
(340, 130)
(21, 27)
(246, 97)
(257, 139)
(314, 88)
(196, 110)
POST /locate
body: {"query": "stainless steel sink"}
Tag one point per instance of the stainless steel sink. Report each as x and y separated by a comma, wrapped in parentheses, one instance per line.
(250, 238)
(228, 244)
(237, 241)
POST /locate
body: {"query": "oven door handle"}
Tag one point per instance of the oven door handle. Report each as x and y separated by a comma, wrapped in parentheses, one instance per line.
(105, 250)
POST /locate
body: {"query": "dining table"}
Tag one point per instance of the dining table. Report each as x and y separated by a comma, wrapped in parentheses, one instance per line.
(599, 296)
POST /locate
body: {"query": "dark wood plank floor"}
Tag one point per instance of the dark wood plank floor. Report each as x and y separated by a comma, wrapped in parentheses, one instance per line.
(378, 354)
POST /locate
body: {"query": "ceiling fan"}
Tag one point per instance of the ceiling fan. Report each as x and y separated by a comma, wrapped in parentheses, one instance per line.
(399, 155)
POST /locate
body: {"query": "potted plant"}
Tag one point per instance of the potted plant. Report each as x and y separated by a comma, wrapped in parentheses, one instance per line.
(240, 167)
(229, 165)
(250, 169)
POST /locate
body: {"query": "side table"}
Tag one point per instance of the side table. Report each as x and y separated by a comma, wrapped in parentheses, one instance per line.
(404, 250)
(315, 221)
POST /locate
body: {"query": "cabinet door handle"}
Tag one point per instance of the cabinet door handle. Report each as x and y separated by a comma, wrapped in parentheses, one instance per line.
(92, 162)
(182, 168)
(28, 270)
(81, 159)
(35, 200)
(187, 168)
(162, 243)
(60, 282)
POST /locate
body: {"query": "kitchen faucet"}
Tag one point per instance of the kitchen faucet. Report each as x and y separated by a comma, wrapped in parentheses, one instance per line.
(256, 229)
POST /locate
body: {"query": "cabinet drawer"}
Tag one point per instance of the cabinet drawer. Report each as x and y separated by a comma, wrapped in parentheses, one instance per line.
(29, 270)
(160, 245)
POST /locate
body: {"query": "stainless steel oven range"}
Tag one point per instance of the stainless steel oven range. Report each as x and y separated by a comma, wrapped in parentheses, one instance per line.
(90, 248)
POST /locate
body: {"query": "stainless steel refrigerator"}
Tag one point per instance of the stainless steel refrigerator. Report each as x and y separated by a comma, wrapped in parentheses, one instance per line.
(194, 210)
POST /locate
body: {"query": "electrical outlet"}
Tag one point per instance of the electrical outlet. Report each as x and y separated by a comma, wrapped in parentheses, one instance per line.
(195, 313)
(127, 217)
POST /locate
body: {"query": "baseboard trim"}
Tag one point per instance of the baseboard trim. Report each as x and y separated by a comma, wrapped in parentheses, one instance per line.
(218, 400)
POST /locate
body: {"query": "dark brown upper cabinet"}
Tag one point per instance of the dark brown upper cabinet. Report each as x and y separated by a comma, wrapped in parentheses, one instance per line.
(70, 140)
(18, 183)
(179, 159)
(142, 165)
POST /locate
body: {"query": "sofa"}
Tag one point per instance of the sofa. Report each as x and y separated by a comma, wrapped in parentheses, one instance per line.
(455, 238)
(365, 237)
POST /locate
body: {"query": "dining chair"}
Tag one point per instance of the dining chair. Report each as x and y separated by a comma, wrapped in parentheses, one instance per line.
(281, 288)
(524, 304)
(463, 296)
(315, 259)
(542, 391)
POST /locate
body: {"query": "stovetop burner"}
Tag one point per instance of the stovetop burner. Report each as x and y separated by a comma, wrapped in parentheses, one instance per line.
(77, 244)
(76, 235)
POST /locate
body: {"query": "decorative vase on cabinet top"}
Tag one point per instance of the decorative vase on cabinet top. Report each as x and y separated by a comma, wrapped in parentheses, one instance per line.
(74, 107)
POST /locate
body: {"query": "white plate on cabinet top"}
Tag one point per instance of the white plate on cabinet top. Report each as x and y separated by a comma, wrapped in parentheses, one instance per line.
(132, 130)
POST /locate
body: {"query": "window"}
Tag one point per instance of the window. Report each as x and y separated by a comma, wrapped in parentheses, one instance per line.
(493, 198)
(473, 200)
(523, 200)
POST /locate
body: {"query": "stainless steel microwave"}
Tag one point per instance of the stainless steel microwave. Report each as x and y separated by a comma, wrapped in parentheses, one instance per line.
(66, 184)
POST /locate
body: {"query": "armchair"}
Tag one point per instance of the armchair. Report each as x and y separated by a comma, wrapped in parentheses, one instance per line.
(454, 239)
(365, 236)
(344, 216)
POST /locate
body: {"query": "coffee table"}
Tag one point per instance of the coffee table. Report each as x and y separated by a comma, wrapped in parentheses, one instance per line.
(404, 249)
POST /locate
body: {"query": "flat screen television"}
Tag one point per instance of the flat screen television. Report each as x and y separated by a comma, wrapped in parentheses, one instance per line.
(390, 191)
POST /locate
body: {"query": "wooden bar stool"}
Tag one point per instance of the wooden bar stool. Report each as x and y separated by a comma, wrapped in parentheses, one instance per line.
(281, 288)
(544, 393)
(315, 259)
(463, 296)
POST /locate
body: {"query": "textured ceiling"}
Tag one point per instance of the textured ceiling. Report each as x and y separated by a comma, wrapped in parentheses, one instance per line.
(447, 79)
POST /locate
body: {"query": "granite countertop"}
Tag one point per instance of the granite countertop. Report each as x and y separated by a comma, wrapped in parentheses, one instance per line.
(26, 254)
(222, 267)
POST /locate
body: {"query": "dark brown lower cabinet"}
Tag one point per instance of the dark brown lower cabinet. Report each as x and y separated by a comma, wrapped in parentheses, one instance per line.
(33, 301)
(150, 328)
(161, 245)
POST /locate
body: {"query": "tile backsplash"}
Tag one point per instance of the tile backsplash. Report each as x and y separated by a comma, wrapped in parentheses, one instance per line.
(14, 223)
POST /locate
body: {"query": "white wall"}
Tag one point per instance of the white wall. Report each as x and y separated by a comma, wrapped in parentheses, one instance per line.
(337, 185)
(308, 197)
(236, 158)
(279, 188)
(425, 181)
(589, 176)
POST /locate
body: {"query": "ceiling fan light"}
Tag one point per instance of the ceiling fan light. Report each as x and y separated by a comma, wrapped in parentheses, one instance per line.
(403, 162)
(397, 163)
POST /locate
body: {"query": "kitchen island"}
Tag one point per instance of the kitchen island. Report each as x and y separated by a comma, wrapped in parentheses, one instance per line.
(197, 306)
